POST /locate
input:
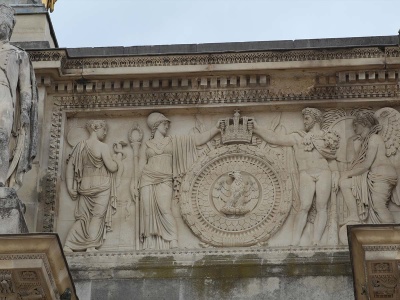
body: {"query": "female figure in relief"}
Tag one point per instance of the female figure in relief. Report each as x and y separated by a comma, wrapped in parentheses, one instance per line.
(367, 187)
(90, 180)
(168, 158)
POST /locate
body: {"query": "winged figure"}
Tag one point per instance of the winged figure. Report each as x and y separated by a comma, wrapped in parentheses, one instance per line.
(235, 191)
(372, 180)
(389, 119)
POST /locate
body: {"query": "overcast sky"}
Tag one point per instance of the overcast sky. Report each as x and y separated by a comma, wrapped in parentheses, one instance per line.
(93, 23)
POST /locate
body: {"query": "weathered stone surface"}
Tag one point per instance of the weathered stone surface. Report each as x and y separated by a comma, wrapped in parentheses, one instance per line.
(237, 47)
(33, 45)
(375, 262)
(11, 212)
(238, 273)
(206, 213)
(32, 266)
(324, 288)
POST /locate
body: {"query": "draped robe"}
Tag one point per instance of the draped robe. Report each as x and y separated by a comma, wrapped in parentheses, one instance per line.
(166, 161)
(96, 198)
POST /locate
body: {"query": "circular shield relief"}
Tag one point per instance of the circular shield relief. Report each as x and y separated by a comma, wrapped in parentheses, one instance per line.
(237, 195)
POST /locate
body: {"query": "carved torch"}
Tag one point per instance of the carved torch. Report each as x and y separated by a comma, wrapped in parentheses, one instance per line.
(135, 138)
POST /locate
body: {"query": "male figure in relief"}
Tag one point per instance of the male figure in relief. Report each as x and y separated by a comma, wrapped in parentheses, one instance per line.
(315, 153)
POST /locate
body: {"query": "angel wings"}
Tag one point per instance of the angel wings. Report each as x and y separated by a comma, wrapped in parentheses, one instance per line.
(389, 119)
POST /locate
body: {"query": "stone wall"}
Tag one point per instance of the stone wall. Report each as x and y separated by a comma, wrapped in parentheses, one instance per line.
(216, 171)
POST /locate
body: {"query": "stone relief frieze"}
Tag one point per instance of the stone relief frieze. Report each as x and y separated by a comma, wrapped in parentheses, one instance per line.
(258, 179)
(237, 195)
(168, 157)
(90, 181)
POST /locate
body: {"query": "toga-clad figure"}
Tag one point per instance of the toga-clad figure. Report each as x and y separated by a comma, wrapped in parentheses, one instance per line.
(90, 180)
(168, 158)
(18, 106)
(367, 187)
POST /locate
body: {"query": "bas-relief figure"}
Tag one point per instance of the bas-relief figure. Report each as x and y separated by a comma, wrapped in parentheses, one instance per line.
(368, 185)
(18, 108)
(168, 158)
(315, 153)
(241, 185)
(91, 181)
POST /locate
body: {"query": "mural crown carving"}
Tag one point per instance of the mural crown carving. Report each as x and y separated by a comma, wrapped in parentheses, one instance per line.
(236, 130)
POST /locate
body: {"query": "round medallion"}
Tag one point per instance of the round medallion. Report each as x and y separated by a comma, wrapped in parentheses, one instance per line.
(237, 195)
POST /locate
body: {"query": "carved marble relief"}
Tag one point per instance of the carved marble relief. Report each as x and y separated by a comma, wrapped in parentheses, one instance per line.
(90, 181)
(223, 180)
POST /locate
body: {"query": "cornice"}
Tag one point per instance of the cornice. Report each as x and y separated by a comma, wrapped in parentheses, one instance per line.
(377, 54)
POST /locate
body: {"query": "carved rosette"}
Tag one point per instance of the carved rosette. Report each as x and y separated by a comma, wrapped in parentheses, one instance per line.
(255, 214)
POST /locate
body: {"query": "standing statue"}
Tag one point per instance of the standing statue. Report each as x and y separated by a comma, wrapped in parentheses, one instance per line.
(367, 187)
(315, 153)
(90, 180)
(168, 158)
(18, 107)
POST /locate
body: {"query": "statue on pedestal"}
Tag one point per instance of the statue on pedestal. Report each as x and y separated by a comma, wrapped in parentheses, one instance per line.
(18, 123)
(18, 106)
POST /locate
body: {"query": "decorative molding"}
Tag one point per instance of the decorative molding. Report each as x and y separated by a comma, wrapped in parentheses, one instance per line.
(157, 84)
(361, 77)
(271, 195)
(25, 281)
(298, 251)
(208, 59)
(379, 248)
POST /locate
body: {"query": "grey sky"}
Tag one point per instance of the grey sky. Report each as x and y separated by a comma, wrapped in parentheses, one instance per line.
(92, 23)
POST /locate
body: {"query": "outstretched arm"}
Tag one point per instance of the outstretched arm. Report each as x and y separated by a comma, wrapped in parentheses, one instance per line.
(274, 138)
(204, 137)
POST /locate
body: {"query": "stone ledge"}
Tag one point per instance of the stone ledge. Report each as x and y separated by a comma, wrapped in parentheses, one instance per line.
(237, 46)
(215, 263)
